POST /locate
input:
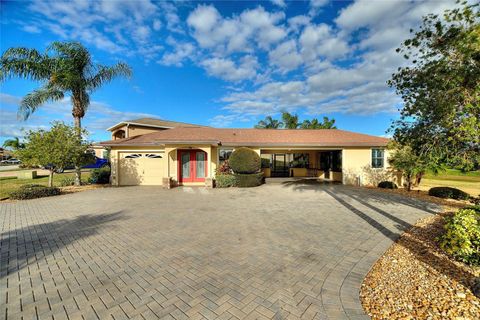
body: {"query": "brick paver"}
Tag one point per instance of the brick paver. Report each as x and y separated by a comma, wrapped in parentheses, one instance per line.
(280, 251)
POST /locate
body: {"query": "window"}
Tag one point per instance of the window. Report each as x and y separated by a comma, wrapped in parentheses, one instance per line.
(152, 155)
(300, 160)
(224, 154)
(133, 156)
(377, 158)
(138, 155)
(266, 160)
(105, 154)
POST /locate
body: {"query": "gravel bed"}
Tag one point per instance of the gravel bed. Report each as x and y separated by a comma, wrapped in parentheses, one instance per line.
(415, 279)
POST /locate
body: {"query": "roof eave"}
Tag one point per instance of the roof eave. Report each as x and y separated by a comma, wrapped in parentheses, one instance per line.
(120, 124)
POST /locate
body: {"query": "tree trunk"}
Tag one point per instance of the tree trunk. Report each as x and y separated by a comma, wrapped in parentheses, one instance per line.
(78, 170)
(50, 178)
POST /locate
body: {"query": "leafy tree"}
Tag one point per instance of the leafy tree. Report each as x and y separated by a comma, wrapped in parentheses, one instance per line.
(440, 88)
(268, 123)
(13, 143)
(412, 165)
(290, 121)
(65, 68)
(59, 147)
(315, 124)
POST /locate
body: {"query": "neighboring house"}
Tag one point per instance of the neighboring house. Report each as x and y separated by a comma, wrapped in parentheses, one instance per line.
(5, 154)
(189, 155)
(132, 128)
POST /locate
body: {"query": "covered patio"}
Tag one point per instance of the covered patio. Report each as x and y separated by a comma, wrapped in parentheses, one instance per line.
(316, 163)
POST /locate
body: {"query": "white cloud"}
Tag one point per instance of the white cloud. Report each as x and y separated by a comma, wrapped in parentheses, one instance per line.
(320, 41)
(316, 5)
(237, 34)
(227, 69)
(286, 56)
(181, 51)
(280, 3)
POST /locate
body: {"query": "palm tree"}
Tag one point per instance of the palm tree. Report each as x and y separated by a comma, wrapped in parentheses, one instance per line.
(14, 144)
(315, 124)
(290, 121)
(65, 68)
(268, 123)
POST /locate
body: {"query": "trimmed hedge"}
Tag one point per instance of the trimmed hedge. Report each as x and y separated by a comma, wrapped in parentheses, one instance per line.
(387, 185)
(244, 160)
(448, 193)
(225, 181)
(462, 236)
(249, 180)
(100, 176)
(32, 191)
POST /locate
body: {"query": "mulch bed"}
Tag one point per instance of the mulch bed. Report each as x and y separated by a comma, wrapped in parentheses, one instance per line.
(415, 279)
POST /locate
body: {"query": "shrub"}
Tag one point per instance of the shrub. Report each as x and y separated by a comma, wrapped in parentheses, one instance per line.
(67, 181)
(32, 191)
(387, 185)
(448, 192)
(224, 168)
(475, 208)
(100, 176)
(244, 160)
(462, 236)
(249, 180)
(225, 181)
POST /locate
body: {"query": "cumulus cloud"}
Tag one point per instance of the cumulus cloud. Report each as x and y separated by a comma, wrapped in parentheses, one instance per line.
(227, 69)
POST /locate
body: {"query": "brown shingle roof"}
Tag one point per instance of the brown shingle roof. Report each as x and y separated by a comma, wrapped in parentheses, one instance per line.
(252, 137)
(155, 123)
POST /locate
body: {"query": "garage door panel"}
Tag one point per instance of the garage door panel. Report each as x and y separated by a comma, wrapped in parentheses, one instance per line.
(141, 169)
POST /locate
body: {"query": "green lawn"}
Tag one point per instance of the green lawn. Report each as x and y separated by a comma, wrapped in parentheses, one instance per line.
(9, 184)
(466, 181)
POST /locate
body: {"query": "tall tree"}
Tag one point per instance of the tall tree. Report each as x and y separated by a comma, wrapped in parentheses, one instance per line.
(268, 123)
(440, 88)
(315, 124)
(14, 143)
(66, 68)
(59, 147)
(290, 121)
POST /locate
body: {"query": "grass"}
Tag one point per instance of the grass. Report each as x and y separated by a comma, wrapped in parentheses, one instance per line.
(465, 181)
(9, 184)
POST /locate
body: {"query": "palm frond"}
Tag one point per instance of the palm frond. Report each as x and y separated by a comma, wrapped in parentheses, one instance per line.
(106, 74)
(24, 63)
(35, 99)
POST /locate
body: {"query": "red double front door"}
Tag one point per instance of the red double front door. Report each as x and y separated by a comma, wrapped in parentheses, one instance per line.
(192, 165)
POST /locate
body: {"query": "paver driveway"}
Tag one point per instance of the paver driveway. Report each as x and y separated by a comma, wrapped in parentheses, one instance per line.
(294, 250)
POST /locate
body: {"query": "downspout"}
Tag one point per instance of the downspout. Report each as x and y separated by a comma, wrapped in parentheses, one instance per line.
(126, 133)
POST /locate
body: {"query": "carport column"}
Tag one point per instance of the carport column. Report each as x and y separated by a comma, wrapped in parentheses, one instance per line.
(114, 163)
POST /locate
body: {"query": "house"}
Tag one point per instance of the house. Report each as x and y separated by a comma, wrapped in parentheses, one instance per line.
(189, 155)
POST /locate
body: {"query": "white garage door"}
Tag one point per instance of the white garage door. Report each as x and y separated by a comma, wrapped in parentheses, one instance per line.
(140, 168)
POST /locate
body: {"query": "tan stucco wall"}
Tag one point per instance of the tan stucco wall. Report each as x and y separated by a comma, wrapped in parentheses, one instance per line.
(357, 168)
(134, 130)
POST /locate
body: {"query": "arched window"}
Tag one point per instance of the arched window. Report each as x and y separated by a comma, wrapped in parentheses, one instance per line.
(119, 134)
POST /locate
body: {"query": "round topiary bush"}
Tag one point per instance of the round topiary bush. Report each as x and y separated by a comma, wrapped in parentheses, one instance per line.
(387, 185)
(244, 160)
(248, 180)
(448, 193)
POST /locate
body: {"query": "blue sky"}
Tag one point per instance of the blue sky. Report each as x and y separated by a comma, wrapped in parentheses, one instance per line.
(222, 63)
